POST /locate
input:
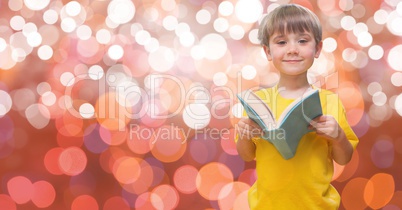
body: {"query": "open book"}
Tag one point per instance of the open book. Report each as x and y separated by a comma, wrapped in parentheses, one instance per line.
(286, 132)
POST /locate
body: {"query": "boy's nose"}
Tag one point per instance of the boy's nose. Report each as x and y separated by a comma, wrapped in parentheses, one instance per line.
(293, 50)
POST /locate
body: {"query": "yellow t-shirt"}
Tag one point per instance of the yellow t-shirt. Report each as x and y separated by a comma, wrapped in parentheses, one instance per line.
(302, 182)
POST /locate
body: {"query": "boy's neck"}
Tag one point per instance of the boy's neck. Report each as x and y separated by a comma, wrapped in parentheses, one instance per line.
(293, 83)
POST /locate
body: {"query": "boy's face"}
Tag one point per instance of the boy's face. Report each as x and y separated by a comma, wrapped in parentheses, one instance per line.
(292, 53)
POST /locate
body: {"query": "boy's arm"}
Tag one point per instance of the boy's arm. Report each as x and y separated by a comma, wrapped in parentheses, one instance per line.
(247, 129)
(327, 126)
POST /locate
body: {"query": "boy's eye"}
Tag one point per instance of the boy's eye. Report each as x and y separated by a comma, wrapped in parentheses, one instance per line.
(303, 41)
(281, 42)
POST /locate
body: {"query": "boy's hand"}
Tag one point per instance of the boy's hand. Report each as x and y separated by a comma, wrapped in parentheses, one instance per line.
(328, 127)
(248, 128)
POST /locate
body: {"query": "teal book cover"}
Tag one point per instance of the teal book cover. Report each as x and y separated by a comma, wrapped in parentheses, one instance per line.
(286, 132)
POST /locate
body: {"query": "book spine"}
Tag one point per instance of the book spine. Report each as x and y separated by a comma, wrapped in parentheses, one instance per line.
(277, 138)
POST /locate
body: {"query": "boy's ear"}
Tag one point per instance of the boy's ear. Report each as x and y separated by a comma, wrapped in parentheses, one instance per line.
(318, 49)
(267, 52)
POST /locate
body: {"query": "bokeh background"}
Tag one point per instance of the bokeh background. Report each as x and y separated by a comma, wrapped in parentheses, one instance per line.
(131, 104)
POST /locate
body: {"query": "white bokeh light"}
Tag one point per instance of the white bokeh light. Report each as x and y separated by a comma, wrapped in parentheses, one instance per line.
(45, 52)
(73, 8)
(121, 11)
(215, 46)
(103, 36)
(68, 25)
(50, 16)
(5, 103)
(394, 58)
(17, 22)
(220, 79)
(170, 23)
(203, 17)
(348, 23)
(376, 52)
(396, 79)
(365, 39)
(3, 44)
(221, 25)
(329, 45)
(36, 4)
(248, 11)
(161, 60)
(196, 116)
(84, 32)
(34, 39)
(226, 8)
(115, 52)
(95, 72)
(236, 32)
(248, 72)
(86, 110)
(398, 104)
(67, 79)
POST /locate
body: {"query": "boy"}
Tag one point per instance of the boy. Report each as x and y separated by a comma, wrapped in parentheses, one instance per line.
(291, 38)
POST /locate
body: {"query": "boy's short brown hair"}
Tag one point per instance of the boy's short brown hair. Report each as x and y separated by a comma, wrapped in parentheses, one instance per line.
(291, 18)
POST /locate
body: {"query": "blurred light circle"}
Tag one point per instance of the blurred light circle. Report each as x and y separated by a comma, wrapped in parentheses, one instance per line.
(44, 194)
(87, 110)
(196, 116)
(68, 25)
(221, 25)
(203, 16)
(398, 104)
(396, 79)
(220, 79)
(376, 52)
(215, 46)
(162, 60)
(184, 179)
(86, 202)
(170, 23)
(248, 72)
(212, 178)
(394, 58)
(381, 16)
(17, 22)
(103, 36)
(379, 98)
(394, 23)
(36, 4)
(348, 23)
(153, 44)
(382, 153)
(84, 32)
(7, 202)
(115, 52)
(127, 170)
(20, 189)
(45, 52)
(349, 54)
(3, 44)
(37, 115)
(374, 87)
(50, 16)
(165, 197)
(226, 8)
(67, 79)
(121, 11)
(329, 44)
(364, 39)
(72, 161)
(5, 103)
(95, 72)
(248, 11)
(236, 32)
(73, 8)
